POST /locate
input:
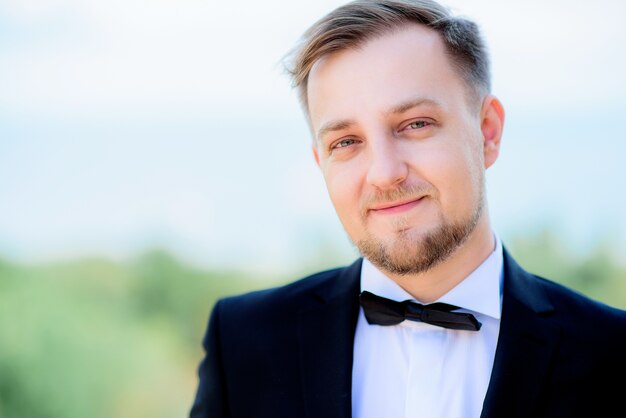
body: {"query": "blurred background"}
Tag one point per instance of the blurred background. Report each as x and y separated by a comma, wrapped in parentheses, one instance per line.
(154, 158)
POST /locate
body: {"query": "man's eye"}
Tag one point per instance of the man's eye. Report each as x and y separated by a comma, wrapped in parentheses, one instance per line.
(418, 124)
(344, 143)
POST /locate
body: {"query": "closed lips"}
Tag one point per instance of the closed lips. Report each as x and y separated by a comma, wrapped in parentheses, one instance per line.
(395, 206)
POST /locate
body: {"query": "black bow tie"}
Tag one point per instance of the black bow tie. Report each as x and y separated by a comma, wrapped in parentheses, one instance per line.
(382, 311)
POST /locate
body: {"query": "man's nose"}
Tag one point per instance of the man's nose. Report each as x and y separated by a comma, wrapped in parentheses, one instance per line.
(387, 168)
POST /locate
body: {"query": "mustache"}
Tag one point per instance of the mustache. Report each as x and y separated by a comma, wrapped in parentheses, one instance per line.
(402, 192)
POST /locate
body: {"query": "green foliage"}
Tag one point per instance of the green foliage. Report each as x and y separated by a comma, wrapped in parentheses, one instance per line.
(93, 338)
(596, 273)
(100, 339)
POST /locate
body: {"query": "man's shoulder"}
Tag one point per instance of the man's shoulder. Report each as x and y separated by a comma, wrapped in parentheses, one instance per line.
(301, 287)
(573, 301)
(577, 313)
(295, 295)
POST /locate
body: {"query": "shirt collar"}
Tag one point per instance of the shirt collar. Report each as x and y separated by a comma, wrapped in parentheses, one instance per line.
(480, 291)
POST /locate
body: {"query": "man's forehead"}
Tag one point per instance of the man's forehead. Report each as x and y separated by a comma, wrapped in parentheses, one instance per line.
(420, 35)
(389, 71)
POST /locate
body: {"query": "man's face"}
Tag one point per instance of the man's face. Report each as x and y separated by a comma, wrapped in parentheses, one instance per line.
(401, 148)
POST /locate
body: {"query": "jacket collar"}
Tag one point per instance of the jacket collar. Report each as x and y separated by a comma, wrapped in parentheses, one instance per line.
(527, 344)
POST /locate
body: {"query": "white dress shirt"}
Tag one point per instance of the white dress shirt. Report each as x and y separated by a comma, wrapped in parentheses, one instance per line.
(415, 369)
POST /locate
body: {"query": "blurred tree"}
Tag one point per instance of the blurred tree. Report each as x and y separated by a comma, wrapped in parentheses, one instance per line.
(597, 273)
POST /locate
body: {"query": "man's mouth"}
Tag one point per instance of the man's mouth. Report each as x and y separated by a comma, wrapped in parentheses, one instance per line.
(400, 206)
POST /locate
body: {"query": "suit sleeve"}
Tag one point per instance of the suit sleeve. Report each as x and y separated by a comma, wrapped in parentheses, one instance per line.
(210, 401)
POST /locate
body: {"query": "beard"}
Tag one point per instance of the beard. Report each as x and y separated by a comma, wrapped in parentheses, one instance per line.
(408, 253)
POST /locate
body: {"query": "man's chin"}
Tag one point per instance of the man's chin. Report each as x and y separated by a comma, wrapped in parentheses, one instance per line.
(402, 254)
(415, 250)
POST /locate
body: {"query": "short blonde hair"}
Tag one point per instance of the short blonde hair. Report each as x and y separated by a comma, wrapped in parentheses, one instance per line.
(352, 24)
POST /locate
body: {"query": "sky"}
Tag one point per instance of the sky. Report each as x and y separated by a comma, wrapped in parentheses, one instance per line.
(129, 124)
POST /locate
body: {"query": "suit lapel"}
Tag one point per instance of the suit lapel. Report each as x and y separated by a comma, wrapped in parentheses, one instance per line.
(326, 334)
(526, 345)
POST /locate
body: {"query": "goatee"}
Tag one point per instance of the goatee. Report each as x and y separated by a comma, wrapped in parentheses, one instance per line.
(408, 254)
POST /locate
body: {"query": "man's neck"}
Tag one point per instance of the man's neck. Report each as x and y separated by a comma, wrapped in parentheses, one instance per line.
(430, 285)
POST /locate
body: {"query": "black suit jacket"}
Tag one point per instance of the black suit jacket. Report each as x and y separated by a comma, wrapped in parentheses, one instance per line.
(287, 352)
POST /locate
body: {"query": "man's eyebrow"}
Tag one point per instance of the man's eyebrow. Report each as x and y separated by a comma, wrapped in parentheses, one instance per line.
(335, 125)
(410, 104)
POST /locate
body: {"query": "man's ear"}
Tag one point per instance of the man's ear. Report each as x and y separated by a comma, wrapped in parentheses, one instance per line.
(491, 126)
(316, 154)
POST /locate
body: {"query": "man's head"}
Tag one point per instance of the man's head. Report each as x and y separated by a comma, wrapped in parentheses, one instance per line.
(397, 98)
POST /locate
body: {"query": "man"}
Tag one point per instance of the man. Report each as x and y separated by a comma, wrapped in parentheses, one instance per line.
(397, 95)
